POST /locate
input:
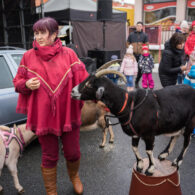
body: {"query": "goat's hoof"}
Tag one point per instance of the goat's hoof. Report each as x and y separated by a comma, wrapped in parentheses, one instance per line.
(139, 169)
(176, 164)
(101, 145)
(111, 141)
(21, 191)
(160, 158)
(147, 173)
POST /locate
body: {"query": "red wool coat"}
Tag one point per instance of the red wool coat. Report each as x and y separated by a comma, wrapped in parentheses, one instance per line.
(50, 109)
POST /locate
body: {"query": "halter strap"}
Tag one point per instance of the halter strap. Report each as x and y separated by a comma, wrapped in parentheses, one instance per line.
(130, 117)
(131, 113)
(21, 137)
(7, 138)
(125, 103)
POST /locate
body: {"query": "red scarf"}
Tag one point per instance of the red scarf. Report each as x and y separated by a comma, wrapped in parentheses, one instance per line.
(145, 54)
(47, 52)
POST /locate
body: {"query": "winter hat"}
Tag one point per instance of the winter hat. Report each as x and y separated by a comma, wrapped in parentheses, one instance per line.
(178, 30)
(145, 47)
(114, 57)
(184, 24)
(130, 49)
(193, 23)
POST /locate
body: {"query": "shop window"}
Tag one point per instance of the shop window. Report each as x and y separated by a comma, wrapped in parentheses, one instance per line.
(160, 13)
(157, 1)
(190, 13)
(155, 16)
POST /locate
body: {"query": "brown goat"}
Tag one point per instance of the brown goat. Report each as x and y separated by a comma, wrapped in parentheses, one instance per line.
(92, 116)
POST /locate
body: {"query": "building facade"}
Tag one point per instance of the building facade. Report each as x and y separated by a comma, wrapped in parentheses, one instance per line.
(164, 12)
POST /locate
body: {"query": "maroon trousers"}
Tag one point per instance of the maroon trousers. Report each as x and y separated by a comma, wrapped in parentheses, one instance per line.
(50, 147)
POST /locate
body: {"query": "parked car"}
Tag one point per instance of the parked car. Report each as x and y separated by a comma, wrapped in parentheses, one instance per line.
(10, 58)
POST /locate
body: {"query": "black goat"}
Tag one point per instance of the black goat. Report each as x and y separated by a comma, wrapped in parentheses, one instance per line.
(145, 114)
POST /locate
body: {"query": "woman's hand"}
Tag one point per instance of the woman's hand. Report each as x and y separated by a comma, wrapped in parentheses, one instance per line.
(183, 68)
(33, 83)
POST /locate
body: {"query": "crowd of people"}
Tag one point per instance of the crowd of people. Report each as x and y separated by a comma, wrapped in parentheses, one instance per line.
(48, 72)
(177, 65)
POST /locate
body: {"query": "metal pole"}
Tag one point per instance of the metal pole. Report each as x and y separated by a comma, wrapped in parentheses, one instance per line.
(4, 24)
(22, 27)
(104, 34)
(42, 9)
(70, 32)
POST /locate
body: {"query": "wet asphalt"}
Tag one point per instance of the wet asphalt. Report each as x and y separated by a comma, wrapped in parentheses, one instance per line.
(104, 171)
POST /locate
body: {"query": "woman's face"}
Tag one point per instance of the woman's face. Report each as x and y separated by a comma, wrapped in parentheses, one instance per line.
(180, 46)
(43, 38)
(145, 51)
(185, 30)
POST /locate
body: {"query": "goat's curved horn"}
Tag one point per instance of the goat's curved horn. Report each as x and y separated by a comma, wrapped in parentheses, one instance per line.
(106, 65)
(106, 71)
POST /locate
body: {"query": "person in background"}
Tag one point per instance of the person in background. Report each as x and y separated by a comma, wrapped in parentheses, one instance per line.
(172, 62)
(44, 80)
(129, 67)
(146, 63)
(190, 77)
(184, 29)
(114, 66)
(190, 42)
(137, 39)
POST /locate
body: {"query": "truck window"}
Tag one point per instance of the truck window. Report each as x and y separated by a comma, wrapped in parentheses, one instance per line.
(5, 74)
(17, 58)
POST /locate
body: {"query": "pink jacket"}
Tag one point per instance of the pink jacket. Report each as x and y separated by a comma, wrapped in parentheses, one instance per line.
(129, 66)
(190, 43)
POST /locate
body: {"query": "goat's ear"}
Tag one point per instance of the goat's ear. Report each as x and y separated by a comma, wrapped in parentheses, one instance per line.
(99, 93)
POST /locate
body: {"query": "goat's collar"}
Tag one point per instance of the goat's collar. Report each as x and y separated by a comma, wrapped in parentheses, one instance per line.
(133, 108)
(125, 103)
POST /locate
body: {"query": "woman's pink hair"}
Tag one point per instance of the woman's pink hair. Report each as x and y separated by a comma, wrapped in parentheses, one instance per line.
(46, 23)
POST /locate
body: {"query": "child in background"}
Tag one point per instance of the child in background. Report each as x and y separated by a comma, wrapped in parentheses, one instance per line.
(146, 64)
(129, 67)
(115, 66)
(190, 77)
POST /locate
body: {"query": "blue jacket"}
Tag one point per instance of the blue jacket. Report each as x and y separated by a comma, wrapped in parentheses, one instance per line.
(190, 78)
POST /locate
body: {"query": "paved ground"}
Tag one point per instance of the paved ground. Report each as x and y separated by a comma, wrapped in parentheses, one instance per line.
(103, 171)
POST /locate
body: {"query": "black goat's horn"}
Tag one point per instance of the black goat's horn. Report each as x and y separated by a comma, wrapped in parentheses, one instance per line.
(106, 65)
(107, 71)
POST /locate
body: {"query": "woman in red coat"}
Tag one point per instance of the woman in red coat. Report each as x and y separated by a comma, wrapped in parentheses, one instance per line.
(45, 78)
(190, 43)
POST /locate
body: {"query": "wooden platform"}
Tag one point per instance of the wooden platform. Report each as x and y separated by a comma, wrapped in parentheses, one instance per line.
(165, 180)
